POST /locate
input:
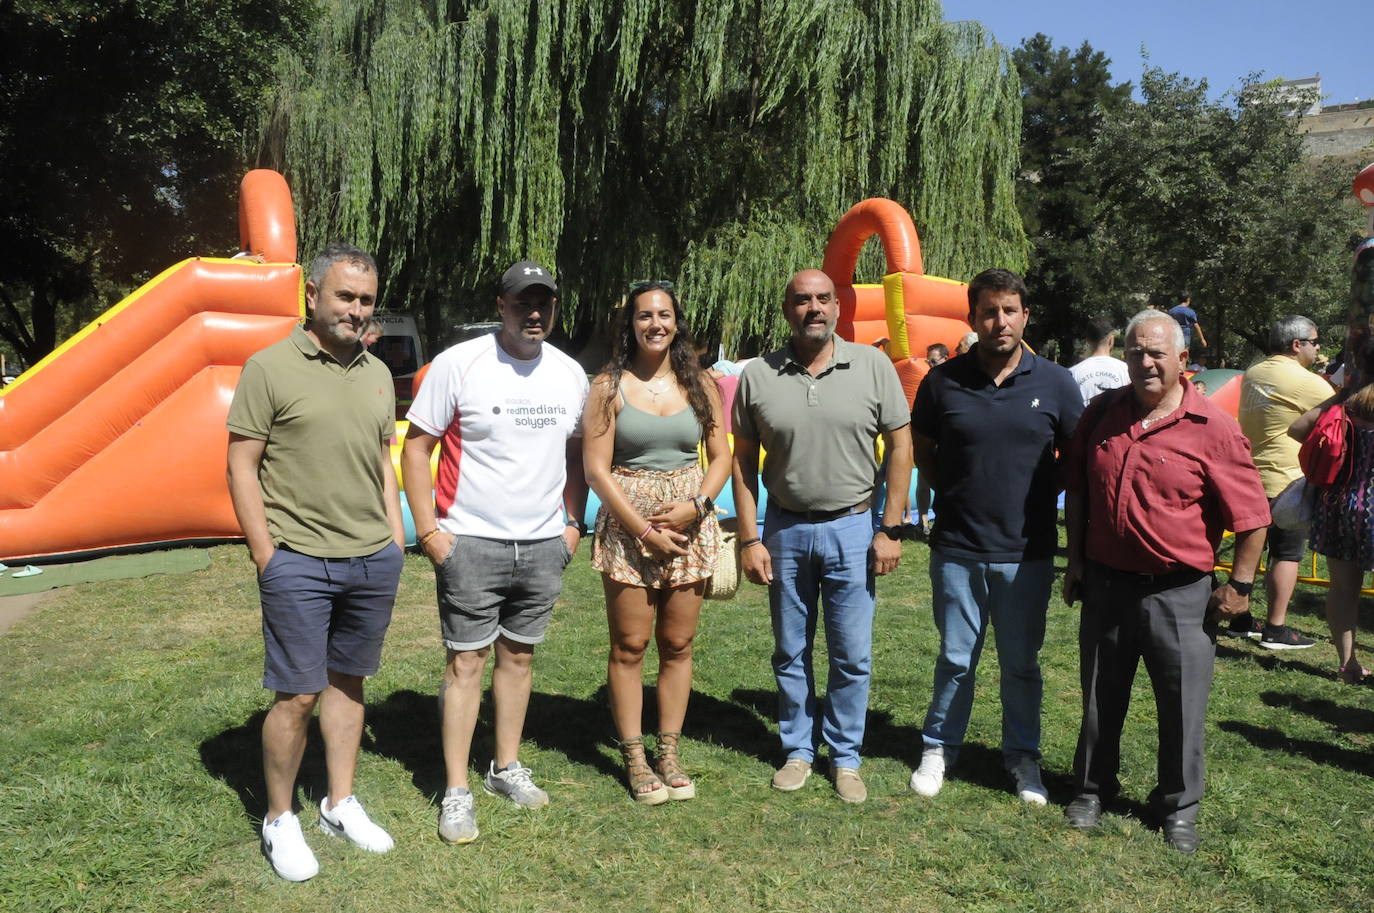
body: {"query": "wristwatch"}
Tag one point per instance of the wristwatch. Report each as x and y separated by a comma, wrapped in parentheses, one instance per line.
(892, 532)
(1242, 589)
(577, 525)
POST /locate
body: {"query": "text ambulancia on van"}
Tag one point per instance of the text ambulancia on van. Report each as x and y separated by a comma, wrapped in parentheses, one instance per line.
(400, 349)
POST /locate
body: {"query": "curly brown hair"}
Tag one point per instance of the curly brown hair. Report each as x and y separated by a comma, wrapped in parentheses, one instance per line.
(682, 358)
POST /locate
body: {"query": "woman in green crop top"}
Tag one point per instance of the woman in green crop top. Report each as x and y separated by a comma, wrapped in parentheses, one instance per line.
(656, 534)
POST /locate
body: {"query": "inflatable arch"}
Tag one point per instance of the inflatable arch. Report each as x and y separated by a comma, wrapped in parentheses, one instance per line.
(908, 308)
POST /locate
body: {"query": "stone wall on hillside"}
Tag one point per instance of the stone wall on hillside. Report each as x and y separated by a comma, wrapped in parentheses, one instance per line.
(1345, 131)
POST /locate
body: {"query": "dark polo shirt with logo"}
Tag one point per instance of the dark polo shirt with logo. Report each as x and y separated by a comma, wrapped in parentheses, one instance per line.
(996, 482)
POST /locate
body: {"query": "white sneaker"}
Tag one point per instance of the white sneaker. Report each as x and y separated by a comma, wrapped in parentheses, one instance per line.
(930, 776)
(348, 820)
(284, 846)
(1026, 773)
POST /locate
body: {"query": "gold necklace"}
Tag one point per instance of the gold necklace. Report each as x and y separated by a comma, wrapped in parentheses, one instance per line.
(656, 393)
(1147, 421)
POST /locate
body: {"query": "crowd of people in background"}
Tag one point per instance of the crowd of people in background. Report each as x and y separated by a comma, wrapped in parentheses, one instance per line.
(1153, 472)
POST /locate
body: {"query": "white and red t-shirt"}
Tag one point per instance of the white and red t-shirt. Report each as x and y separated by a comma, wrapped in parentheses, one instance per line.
(504, 424)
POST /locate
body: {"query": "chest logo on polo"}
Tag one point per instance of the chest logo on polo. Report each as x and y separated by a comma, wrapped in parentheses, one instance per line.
(1035, 403)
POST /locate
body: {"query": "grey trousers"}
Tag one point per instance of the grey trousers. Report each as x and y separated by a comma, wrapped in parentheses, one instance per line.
(1126, 618)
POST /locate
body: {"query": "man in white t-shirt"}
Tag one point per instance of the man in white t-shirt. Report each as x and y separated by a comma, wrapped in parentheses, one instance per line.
(1099, 371)
(500, 523)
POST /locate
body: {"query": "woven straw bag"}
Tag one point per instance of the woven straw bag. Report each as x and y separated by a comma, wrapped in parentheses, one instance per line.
(724, 583)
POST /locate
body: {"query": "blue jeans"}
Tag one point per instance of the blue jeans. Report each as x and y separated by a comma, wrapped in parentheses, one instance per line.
(829, 562)
(966, 594)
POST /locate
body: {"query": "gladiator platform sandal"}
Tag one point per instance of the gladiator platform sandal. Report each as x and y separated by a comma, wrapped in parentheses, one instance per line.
(675, 779)
(645, 786)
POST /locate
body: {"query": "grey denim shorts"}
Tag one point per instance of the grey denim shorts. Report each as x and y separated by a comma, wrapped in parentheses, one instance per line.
(491, 588)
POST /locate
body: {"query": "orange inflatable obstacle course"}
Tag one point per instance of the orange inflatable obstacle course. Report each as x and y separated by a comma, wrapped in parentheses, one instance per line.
(910, 309)
(117, 438)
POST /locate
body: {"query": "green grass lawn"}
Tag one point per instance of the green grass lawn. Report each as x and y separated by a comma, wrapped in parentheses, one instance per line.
(129, 775)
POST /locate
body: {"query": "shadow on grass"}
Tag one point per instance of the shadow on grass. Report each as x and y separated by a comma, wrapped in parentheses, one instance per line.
(582, 728)
(882, 737)
(235, 756)
(1266, 659)
(1338, 716)
(405, 728)
(1321, 752)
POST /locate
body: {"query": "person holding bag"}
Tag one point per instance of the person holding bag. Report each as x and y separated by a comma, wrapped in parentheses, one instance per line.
(657, 536)
(1338, 458)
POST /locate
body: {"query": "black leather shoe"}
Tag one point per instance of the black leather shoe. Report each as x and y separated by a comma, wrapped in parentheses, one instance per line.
(1084, 812)
(1181, 835)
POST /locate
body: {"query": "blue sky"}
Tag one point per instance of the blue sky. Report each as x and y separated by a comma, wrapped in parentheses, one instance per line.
(1220, 41)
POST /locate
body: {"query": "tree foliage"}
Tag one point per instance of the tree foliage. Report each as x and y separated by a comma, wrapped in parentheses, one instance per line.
(1127, 201)
(1216, 197)
(713, 142)
(1066, 96)
(121, 131)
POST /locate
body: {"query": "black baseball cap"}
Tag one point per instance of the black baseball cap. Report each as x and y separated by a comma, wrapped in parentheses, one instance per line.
(522, 275)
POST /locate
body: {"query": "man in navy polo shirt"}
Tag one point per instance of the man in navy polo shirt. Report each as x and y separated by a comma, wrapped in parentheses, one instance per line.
(985, 429)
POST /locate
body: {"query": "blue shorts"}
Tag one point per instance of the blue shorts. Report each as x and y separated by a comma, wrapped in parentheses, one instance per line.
(491, 588)
(322, 614)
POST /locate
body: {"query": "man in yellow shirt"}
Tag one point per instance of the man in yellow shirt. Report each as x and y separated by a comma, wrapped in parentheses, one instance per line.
(1273, 394)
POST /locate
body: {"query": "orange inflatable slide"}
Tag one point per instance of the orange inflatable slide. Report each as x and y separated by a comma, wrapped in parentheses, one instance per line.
(117, 438)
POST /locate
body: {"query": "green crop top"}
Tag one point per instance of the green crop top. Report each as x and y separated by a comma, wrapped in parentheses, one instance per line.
(647, 441)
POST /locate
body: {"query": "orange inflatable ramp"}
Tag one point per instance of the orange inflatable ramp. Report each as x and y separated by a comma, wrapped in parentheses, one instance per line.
(117, 438)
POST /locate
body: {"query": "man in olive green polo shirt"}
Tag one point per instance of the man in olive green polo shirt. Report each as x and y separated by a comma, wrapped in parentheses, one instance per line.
(816, 406)
(312, 485)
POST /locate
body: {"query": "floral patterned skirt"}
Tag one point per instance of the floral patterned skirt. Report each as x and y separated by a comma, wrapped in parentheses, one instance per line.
(1343, 521)
(618, 553)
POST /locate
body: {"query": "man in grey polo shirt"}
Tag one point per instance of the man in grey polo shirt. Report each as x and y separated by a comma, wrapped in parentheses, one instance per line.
(816, 405)
(311, 481)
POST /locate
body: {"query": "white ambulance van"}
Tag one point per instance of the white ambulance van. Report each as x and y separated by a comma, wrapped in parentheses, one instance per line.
(402, 351)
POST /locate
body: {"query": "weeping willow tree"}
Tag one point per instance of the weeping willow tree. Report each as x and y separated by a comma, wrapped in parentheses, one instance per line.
(714, 143)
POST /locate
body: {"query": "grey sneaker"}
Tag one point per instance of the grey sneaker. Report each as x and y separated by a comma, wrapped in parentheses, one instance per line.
(457, 817)
(515, 784)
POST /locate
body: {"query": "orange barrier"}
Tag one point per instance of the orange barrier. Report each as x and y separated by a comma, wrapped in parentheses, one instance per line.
(910, 309)
(117, 438)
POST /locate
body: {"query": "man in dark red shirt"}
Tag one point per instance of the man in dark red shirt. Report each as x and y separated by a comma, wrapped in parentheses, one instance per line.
(1156, 473)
